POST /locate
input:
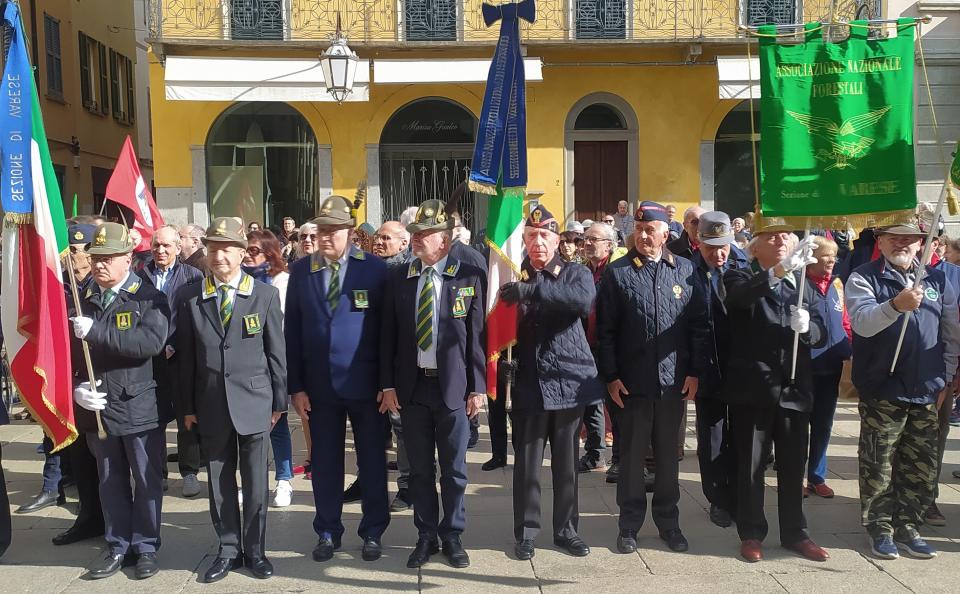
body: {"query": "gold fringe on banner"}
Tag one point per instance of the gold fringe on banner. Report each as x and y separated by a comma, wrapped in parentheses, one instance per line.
(18, 218)
(476, 186)
(856, 222)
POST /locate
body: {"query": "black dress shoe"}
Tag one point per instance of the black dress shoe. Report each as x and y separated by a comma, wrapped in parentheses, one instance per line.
(494, 463)
(352, 493)
(675, 540)
(453, 551)
(260, 567)
(613, 473)
(372, 549)
(573, 545)
(474, 438)
(44, 499)
(627, 541)
(525, 549)
(421, 553)
(78, 532)
(325, 548)
(109, 565)
(219, 570)
(401, 502)
(720, 516)
(147, 565)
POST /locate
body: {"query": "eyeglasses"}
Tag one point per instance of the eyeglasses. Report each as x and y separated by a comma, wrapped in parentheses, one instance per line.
(609, 221)
(254, 250)
(589, 239)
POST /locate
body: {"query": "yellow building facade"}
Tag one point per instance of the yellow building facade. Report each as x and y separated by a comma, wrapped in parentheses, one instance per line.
(636, 100)
(84, 55)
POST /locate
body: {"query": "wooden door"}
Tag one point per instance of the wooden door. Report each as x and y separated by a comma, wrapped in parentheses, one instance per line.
(599, 177)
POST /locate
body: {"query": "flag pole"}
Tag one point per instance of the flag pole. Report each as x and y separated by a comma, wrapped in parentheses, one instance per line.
(796, 335)
(101, 433)
(507, 400)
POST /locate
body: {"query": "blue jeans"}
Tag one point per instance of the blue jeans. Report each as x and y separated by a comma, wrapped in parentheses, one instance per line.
(826, 390)
(51, 468)
(282, 449)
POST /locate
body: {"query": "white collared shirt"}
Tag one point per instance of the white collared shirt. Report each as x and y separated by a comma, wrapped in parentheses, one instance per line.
(428, 359)
(115, 288)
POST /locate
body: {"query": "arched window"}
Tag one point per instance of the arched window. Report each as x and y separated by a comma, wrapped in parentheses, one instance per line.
(599, 116)
(262, 164)
(733, 178)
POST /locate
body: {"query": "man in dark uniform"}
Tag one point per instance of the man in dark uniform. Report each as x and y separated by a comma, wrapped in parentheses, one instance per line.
(125, 323)
(332, 325)
(715, 452)
(555, 378)
(83, 466)
(233, 388)
(766, 404)
(651, 335)
(432, 367)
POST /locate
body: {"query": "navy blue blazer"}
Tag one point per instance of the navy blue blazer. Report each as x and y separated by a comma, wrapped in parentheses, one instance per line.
(461, 357)
(180, 276)
(332, 356)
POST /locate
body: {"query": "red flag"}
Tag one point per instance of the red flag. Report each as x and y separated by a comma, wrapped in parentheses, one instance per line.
(126, 187)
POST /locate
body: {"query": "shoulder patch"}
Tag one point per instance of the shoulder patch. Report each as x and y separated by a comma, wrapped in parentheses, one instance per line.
(452, 267)
(132, 288)
(359, 255)
(414, 269)
(316, 262)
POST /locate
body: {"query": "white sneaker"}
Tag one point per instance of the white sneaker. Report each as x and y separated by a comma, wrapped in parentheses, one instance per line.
(283, 494)
(191, 486)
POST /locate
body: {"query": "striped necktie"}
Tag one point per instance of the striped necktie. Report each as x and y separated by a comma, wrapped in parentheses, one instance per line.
(107, 298)
(333, 291)
(425, 312)
(226, 305)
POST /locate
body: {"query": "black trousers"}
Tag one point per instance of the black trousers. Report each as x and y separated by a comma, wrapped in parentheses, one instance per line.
(531, 432)
(6, 532)
(593, 420)
(249, 454)
(83, 468)
(497, 421)
(615, 412)
(755, 430)
(188, 450)
(716, 453)
(643, 420)
(430, 427)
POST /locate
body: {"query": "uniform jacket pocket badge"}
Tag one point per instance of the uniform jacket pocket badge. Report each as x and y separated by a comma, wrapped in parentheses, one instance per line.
(251, 324)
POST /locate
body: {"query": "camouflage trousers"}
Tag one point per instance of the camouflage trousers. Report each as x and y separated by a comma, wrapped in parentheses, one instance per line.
(898, 464)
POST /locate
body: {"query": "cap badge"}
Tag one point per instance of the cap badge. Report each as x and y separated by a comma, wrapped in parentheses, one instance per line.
(101, 238)
(221, 228)
(78, 235)
(677, 291)
(428, 212)
(536, 215)
(719, 229)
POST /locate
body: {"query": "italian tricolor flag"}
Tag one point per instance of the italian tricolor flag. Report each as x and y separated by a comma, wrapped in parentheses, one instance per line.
(32, 305)
(505, 237)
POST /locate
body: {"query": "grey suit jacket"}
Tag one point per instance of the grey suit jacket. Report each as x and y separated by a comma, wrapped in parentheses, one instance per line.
(233, 379)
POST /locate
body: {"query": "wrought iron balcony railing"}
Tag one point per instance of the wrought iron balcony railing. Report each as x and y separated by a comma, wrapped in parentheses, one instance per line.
(437, 21)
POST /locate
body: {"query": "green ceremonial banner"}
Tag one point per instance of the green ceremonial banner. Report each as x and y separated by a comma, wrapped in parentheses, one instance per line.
(836, 146)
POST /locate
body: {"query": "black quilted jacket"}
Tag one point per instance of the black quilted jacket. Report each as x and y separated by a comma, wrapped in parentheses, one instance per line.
(651, 325)
(556, 370)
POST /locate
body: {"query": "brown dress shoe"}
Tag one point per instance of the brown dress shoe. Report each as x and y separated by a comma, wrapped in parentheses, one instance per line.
(821, 490)
(751, 550)
(809, 549)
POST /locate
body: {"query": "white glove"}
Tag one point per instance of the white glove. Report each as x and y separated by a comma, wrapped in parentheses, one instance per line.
(799, 320)
(88, 398)
(81, 326)
(801, 256)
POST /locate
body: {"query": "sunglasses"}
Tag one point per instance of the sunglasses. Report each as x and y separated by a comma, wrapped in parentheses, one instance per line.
(254, 250)
(310, 236)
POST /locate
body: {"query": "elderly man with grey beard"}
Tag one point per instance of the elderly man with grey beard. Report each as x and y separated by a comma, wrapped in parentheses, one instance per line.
(898, 407)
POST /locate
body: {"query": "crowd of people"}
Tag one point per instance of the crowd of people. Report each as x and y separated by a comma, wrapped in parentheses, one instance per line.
(623, 322)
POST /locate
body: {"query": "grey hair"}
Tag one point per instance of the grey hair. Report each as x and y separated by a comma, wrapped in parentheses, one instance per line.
(196, 230)
(609, 233)
(306, 227)
(407, 216)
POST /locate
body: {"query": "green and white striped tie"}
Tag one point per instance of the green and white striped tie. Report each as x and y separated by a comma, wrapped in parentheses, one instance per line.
(425, 312)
